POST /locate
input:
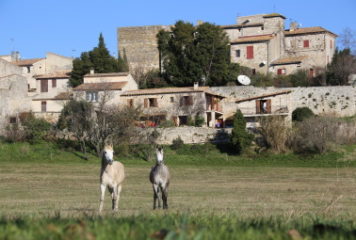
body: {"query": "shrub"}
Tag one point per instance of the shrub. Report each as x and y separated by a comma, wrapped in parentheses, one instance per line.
(35, 128)
(275, 133)
(240, 137)
(299, 114)
(177, 143)
(14, 132)
(167, 124)
(199, 121)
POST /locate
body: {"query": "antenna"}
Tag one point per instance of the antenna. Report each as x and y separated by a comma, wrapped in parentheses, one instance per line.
(244, 80)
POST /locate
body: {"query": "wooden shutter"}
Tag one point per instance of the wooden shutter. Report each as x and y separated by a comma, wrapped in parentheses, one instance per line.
(269, 106)
(145, 103)
(306, 43)
(258, 106)
(249, 50)
(54, 83)
(44, 85)
(181, 101)
(279, 71)
(155, 102)
(190, 100)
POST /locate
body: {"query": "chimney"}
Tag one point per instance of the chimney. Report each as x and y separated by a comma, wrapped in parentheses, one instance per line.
(91, 71)
(293, 26)
(196, 85)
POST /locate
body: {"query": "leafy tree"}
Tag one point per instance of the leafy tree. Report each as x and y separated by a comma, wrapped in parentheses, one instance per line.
(196, 54)
(35, 128)
(123, 65)
(240, 137)
(299, 114)
(98, 59)
(342, 65)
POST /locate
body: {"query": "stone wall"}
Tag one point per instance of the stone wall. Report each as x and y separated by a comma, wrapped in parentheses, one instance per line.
(190, 135)
(336, 100)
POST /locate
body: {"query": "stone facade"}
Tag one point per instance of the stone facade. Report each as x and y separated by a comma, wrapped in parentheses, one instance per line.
(333, 100)
(140, 46)
(13, 94)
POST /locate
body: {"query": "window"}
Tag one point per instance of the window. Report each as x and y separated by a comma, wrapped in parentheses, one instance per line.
(92, 96)
(54, 83)
(130, 102)
(263, 106)
(249, 50)
(331, 44)
(150, 102)
(172, 99)
(13, 120)
(186, 101)
(44, 85)
(311, 73)
(306, 43)
(28, 69)
(238, 52)
(44, 106)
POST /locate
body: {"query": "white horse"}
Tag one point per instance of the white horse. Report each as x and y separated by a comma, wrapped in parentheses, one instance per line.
(159, 178)
(112, 175)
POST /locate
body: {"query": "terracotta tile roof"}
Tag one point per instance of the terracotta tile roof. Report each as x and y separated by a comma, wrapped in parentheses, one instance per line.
(272, 15)
(232, 26)
(102, 86)
(27, 62)
(63, 74)
(64, 96)
(154, 91)
(308, 30)
(107, 74)
(263, 96)
(288, 60)
(258, 38)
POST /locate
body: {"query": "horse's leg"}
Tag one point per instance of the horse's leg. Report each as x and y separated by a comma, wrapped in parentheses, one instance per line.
(102, 189)
(117, 198)
(159, 195)
(165, 197)
(155, 195)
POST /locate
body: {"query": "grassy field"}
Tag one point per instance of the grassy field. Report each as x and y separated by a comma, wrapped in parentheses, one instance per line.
(45, 191)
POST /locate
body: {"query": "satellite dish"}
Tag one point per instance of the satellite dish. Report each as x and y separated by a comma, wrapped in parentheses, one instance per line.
(244, 80)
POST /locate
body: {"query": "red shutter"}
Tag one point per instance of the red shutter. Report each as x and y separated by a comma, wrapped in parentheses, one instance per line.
(249, 50)
(279, 71)
(44, 106)
(269, 106)
(306, 43)
(145, 103)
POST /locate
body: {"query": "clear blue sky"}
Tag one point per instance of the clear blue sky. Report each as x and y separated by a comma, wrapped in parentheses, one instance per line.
(69, 27)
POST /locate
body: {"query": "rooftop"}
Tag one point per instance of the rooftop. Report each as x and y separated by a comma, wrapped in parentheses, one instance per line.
(62, 74)
(308, 30)
(27, 62)
(288, 60)
(100, 86)
(263, 96)
(257, 38)
(107, 74)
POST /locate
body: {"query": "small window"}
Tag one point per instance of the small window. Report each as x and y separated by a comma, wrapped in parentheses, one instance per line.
(311, 73)
(238, 52)
(153, 102)
(13, 120)
(186, 101)
(44, 106)
(249, 50)
(54, 83)
(28, 69)
(92, 96)
(130, 102)
(44, 85)
(281, 71)
(263, 106)
(172, 99)
(306, 43)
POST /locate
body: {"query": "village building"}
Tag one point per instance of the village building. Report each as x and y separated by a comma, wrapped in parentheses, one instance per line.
(13, 94)
(176, 104)
(259, 42)
(52, 93)
(52, 63)
(104, 87)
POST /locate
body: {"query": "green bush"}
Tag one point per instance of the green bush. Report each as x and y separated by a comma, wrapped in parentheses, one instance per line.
(299, 114)
(177, 143)
(240, 137)
(167, 124)
(199, 121)
(35, 128)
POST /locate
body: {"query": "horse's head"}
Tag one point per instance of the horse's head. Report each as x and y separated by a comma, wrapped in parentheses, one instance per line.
(159, 154)
(108, 154)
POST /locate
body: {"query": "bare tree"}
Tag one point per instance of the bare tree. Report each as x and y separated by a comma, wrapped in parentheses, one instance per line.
(347, 39)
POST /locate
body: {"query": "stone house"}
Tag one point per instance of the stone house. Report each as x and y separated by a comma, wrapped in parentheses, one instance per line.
(278, 103)
(52, 63)
(262, 43)
(177, 104)
(52, 92)
(259, 42)
(13, 94)
(104, 87)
